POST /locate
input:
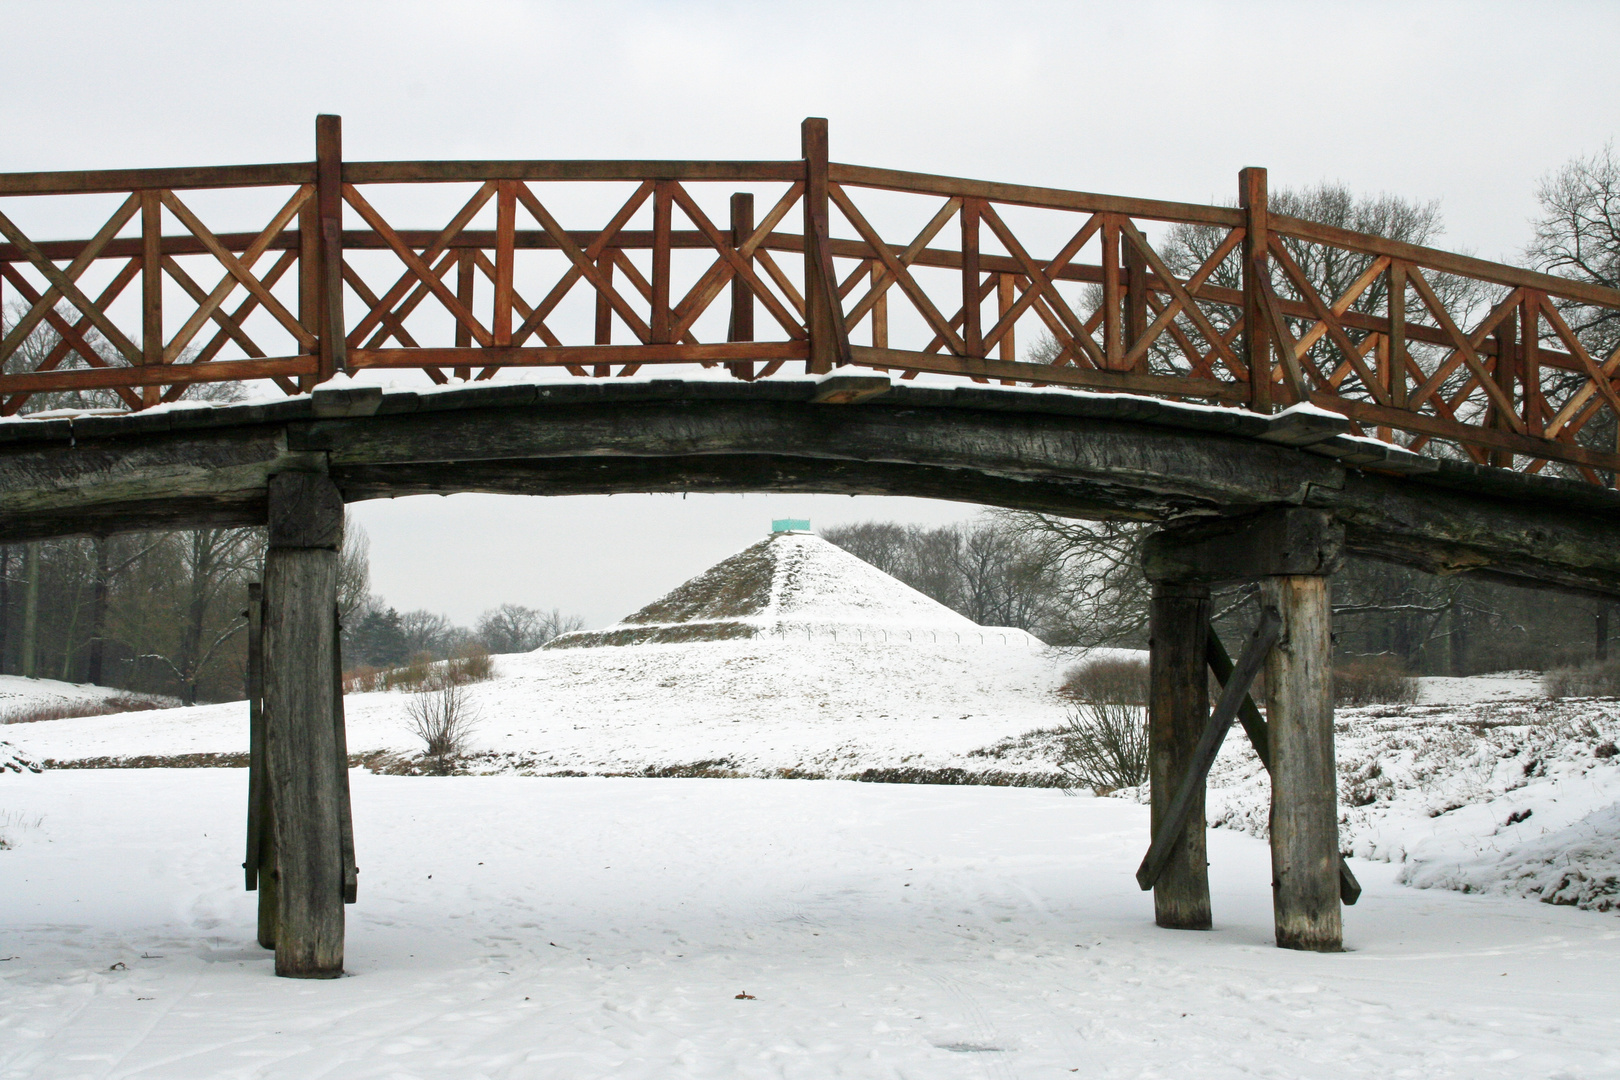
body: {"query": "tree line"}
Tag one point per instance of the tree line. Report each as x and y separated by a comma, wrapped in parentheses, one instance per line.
(1080, 583)
(163, 613)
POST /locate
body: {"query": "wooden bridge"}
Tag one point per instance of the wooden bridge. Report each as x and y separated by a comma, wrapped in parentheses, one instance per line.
(1455, 421)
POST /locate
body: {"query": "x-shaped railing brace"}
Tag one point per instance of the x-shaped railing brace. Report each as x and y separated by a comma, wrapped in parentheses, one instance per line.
(1234, 703)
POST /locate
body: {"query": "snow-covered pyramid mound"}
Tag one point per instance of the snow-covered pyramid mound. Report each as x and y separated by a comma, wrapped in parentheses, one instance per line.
(794, 585)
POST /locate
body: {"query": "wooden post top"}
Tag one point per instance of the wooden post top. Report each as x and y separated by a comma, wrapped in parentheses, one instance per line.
(1294, 541)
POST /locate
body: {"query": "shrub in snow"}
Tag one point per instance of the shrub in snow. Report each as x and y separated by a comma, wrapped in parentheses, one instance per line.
(469, 665)
(1373, 680)
(1121, 680)
(443, 718)
(1598, 679)
(1104, 746)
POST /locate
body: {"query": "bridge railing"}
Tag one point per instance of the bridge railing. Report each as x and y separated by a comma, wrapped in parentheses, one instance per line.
(833, 265)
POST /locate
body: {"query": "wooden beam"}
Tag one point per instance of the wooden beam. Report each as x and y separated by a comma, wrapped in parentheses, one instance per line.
(824, 316)
(300, 597)
(1254, 726)
(333, 348)
(1254, 198)
(1234, 692)
(1304, 796)
(741, 327)
(1178, 705)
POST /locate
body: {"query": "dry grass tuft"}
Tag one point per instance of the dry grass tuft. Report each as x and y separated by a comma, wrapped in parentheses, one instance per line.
(70, 710)
(1373, 680)
(1597, 679)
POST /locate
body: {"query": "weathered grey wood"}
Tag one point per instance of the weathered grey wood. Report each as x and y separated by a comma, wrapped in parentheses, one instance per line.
(1254, 725)
(306, 778)
(256, 778)
(305, 510)
(1304, 797)
(1178, 705)
(340, 734)
(1234, 692)
(1114, 457)
(1293, 541)
(269, 903)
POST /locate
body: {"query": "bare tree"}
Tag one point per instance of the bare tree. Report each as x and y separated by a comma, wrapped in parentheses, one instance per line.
(1578, 237)
(513, 628)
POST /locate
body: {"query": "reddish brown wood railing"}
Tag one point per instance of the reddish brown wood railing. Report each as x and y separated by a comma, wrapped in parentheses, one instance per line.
(992, 282)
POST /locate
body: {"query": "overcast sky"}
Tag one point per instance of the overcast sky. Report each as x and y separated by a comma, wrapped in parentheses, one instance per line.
(1468, 103)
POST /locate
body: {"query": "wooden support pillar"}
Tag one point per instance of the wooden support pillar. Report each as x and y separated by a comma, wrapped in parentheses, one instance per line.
(1178, 708)
(307, 784)
(1292, 551)
(1304, 794)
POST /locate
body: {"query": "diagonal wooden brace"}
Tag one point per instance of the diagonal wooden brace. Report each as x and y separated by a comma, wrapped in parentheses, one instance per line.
(1220, 720)
(1220, 664)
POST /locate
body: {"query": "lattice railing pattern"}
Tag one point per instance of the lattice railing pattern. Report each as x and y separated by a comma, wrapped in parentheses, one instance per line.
(833, 265)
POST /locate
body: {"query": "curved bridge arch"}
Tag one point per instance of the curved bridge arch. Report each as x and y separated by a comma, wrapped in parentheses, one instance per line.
(1094, 456)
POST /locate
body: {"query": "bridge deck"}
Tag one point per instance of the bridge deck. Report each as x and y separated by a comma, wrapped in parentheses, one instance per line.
(1083, 455)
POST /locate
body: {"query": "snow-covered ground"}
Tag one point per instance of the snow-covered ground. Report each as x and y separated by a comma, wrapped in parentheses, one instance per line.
(1499, 793)
(576, 928)
(20, 697)
(756, 706)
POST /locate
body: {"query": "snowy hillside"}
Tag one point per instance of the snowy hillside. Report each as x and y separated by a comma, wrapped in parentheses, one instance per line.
(753, 707)
(795, 586)
(26, 699)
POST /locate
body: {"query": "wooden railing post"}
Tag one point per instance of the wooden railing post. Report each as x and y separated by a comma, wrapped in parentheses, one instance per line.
(505, 259)
(823, 313)
(604, 309)
(1530, 360)
(663, 216)
(311, 282)
(1396, 382)
(742, 297)
(329, 208)
(151, 291)
(1136, 309)
(1113, 352)
(1506, 375)
(466, 284)
(972, 328)
(1252, 197)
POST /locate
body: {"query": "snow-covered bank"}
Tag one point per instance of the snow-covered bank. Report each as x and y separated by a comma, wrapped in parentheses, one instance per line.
(761, 707)
(526, 927)
(27, 699)
(1514, 795)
